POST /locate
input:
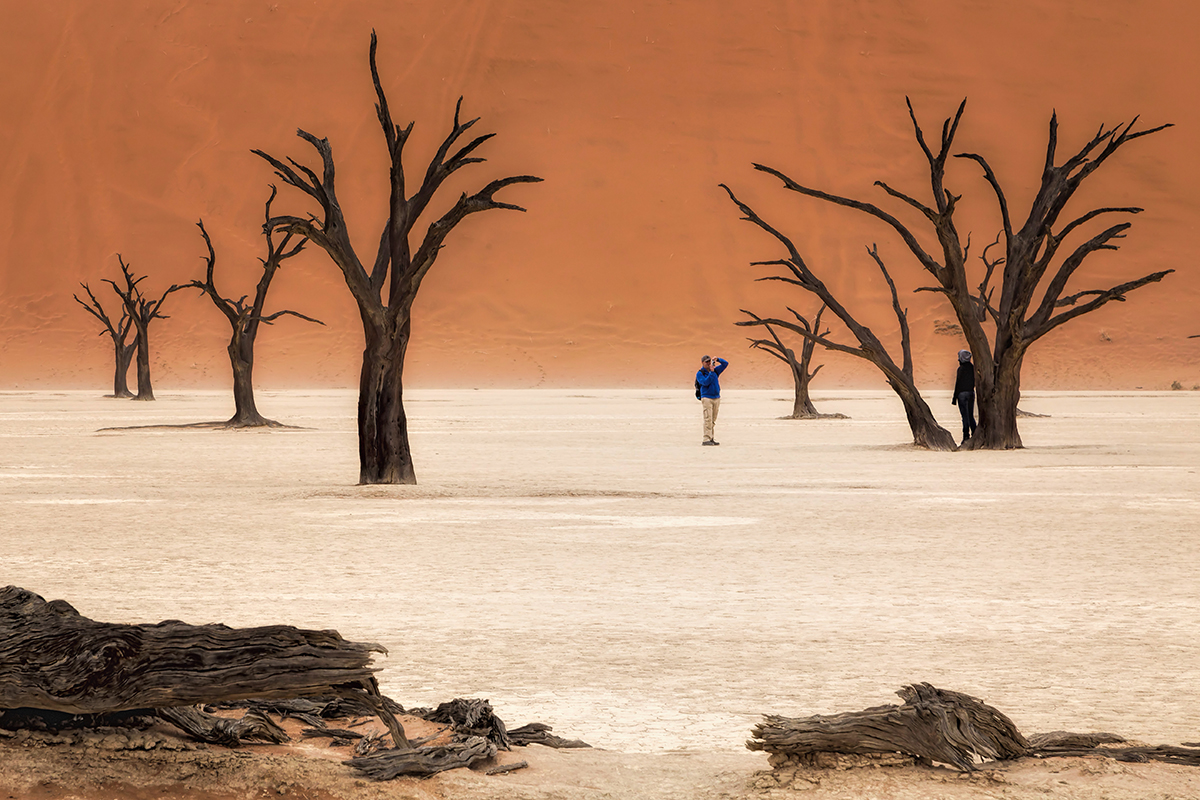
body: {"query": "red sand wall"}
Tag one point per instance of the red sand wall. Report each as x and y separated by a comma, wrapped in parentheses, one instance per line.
(124, 123)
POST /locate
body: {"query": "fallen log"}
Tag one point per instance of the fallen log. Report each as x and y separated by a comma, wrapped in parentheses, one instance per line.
(53, 658)
(1063, 743)
(938, 725)
(539, 733)
(932, 725)
(388, 764)
(254, 725)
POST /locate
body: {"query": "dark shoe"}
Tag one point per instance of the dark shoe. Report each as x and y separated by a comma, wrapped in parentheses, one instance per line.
(709, 442)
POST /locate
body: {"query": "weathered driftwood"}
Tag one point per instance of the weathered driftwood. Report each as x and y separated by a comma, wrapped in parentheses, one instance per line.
(939, 725)
(469, 718)
(1062, 743)
(388, 764)
(539, 733)
(53, 658)
(932, 724)
(254, 725)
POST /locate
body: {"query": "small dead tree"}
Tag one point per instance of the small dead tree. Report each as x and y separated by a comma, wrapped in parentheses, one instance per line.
(383, 449)
(142, 312)
(122, 351)
(802, 406)
(1029, 267)
(925, 429)
(244, 320)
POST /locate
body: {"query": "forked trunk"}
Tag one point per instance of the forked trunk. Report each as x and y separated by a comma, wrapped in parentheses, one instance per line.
(383, 451)
(145, 390)
(245, 413)
(124, 357)
(998, 397)
(802, 408)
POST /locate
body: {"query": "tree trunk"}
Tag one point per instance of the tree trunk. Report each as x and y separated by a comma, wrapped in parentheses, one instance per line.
(124, 357)
(998, 396)
(383, 451)
(802, 408)
(145, 390)
(241, 357)
(925, 429)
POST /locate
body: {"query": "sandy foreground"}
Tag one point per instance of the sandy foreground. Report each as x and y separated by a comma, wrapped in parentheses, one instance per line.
(576, 557)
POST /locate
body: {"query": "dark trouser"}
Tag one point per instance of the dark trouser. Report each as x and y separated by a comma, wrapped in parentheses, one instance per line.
(966, 407)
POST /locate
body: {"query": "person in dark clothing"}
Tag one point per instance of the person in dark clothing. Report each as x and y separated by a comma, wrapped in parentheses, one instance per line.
(964, 393)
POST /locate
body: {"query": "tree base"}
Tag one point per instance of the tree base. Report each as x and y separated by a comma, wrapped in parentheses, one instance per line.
(815, 416)
(229, 424)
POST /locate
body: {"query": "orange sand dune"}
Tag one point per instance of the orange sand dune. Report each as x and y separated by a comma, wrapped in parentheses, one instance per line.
(125, 123)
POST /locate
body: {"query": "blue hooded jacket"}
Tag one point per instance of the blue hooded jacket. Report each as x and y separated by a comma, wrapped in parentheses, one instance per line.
(707, 378)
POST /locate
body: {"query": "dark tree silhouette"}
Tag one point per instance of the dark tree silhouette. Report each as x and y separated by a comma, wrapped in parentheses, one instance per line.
(118, 333)
(925, 429)
(244, 320)
(802, 406)
(142, 312)
(383, 449)
(1028, 266)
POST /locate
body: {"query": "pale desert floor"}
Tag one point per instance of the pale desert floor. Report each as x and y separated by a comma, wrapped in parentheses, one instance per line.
(579, 559)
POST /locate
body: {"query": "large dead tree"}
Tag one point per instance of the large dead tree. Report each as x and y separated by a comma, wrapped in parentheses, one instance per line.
(244, 319)
(118, 333)
(1034, 297)
(800, 366)
(385, 293)
(142, 311)
(925, 429)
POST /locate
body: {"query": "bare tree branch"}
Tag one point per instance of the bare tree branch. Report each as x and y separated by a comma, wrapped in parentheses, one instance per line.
(901, 314)
(1102, 297)
(926, 260)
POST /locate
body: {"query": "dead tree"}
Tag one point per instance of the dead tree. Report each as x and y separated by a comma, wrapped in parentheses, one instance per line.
(937, 725)
(54, 659)
(932, 725)
(802, 406)
(244, 320)
(383, 449)
(1030, 266)
(925, 429)
(142, 312)
(122, 351)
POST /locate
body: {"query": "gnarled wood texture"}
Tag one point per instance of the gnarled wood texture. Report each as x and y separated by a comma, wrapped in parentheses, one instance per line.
(53, 658)
(933, 724)
(390, 764)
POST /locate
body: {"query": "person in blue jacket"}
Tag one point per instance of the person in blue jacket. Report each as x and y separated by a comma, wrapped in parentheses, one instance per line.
(710, 393)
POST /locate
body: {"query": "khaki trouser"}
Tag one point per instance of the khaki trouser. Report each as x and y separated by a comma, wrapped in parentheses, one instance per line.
(711, 406)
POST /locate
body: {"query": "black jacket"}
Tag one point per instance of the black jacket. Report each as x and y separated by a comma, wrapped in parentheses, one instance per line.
(965, 382)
